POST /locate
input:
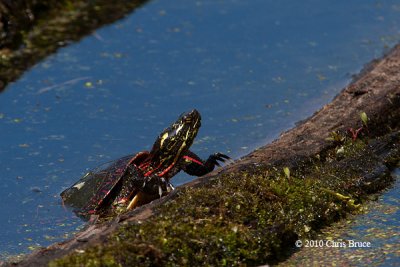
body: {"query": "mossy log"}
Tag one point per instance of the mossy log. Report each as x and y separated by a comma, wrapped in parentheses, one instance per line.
(30, 30)
(253, 210)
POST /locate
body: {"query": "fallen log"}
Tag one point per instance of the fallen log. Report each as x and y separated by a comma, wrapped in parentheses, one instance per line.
(252, 211)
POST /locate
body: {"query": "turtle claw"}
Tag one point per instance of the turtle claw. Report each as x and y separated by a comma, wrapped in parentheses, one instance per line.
(219, 157)
(223, 156)
(170, 187)
(160, 191)
(212, 161)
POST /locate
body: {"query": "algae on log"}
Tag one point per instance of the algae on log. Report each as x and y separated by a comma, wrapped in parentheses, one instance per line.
(252, 211)
(31, 30)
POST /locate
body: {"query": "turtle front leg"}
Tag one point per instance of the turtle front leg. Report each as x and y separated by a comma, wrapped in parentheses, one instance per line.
(151, 188)
(193, 165)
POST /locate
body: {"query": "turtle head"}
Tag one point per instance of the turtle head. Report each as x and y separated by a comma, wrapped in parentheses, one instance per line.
(176, 140)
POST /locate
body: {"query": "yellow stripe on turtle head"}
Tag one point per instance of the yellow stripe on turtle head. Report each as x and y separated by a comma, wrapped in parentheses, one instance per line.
(179, 129)
(165, 136)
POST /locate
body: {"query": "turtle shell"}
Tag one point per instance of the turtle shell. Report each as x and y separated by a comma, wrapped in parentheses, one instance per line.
(98, 188)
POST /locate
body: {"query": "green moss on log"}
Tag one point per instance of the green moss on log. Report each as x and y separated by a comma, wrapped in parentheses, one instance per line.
(250, 218)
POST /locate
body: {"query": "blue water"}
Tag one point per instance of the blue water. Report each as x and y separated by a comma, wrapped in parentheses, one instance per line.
(251, 68)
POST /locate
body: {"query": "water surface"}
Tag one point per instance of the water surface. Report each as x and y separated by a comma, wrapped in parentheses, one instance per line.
(251, 68)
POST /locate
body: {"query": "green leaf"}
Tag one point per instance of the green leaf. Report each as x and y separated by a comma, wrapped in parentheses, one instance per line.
(364, 118)
(287, 172)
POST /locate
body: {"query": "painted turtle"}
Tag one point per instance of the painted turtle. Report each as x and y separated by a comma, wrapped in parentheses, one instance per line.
(135, 180)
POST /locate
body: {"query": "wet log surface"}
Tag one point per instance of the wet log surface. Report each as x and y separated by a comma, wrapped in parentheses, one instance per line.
(375, 91)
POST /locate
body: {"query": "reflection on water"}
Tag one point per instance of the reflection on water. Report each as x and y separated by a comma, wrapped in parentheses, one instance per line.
(251, 68)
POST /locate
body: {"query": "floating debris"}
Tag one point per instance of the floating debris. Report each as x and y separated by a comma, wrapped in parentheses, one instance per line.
(36, 189)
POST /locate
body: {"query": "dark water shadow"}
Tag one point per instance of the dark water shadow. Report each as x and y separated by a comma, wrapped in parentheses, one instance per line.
(31, 31)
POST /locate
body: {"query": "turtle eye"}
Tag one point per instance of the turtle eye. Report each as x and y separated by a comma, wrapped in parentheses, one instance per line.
(182, 116)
